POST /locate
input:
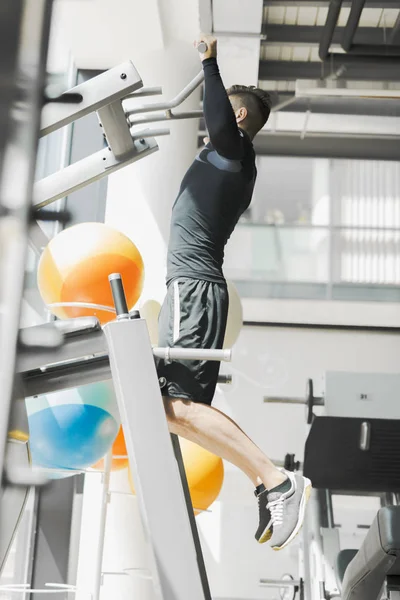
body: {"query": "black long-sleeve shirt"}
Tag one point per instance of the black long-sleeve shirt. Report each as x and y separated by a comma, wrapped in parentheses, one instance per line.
(215, 191)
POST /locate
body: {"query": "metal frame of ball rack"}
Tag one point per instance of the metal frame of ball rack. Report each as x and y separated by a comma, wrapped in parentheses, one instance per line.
(50, 357)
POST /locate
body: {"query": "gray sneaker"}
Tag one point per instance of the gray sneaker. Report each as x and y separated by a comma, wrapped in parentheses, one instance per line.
(288, 510)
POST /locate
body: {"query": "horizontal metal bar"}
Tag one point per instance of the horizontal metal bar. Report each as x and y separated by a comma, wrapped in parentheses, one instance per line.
(192, 354)
(165, 116)
(324, 3)
(239, 34)
(280, 583)
(149, 133)
(145, 91)
(85, 171)
(96, 93)
(352, 67)
(328, 146)
(325, 145)
(289, 102)
(74, 374)
(310, 35)
(181, 97)
(67, 376)
(73, 348)
(318, 401)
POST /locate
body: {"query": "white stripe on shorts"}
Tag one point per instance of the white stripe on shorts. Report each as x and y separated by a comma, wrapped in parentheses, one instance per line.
(177, 311)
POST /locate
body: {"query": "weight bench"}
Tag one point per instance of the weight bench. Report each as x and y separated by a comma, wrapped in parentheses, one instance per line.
(376, 563)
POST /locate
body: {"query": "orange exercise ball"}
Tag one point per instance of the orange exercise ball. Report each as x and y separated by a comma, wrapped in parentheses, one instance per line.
(204, 473)
(118, 449)
(75, 266)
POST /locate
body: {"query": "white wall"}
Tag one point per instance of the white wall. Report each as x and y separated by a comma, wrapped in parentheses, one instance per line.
(269, 361)
(373, 314)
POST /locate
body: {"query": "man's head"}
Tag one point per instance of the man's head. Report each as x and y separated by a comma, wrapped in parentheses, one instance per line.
(251, 106)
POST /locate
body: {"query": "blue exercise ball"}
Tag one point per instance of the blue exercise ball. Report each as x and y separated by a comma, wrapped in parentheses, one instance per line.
(71, 430)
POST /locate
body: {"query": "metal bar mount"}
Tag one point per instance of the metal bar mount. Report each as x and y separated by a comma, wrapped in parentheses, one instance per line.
(181, 97)
(104, 95)
(166, 107)
(81, 359)
(309, 400)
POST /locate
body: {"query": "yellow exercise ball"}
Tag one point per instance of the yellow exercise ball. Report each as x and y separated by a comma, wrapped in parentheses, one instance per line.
(150, 311)
(75, 266)
(204, 473)
(235, 317)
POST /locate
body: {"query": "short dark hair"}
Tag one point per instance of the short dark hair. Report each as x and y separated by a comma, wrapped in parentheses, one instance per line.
(256, 101)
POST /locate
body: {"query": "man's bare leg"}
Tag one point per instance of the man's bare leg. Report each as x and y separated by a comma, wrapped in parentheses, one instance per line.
(216, 432)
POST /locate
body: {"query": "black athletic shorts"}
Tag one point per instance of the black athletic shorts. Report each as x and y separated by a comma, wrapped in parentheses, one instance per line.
(193, 315)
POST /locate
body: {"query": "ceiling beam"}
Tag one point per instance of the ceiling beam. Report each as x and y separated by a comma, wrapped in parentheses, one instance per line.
(328, 146)
(325, 145)
(355, 68)
(368, 107)
(310, 35)
(325, 3)
(339, 106)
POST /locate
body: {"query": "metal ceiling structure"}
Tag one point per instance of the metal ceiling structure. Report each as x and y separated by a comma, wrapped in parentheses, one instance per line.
(332, 68)
(337, 45)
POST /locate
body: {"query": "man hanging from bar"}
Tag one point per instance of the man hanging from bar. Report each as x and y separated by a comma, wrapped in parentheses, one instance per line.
(214, 193)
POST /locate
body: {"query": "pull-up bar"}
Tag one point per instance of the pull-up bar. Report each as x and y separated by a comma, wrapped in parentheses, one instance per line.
(104, 95)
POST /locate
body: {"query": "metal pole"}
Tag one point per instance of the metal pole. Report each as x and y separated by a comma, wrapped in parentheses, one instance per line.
(27, 84)
(149, 133)
(330, 24)
(168, 115)
(192, 354)
(352, 24)
(105, 496)
(280, 583)
(181, 97)
(318, 401)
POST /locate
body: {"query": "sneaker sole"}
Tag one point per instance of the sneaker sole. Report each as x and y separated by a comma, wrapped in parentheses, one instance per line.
(302, 511)
(267, 534)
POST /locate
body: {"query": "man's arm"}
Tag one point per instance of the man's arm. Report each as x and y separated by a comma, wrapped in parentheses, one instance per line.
(218, 112)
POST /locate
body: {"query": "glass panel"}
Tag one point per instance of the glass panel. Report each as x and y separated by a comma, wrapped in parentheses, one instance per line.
(278, 253)
(317, 262)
